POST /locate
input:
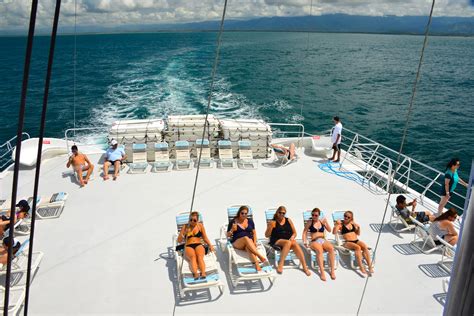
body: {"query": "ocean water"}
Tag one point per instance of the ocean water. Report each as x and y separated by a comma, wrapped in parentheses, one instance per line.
(303, 78)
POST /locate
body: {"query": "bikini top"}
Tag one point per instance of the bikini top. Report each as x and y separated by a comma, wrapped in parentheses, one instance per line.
(345, 230)
(191, 234)
(313, 229)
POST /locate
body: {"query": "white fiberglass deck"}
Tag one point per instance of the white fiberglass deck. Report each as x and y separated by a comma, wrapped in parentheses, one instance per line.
(109, 250)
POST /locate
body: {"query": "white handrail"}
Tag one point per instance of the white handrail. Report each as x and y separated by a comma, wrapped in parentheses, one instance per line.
(9, 145)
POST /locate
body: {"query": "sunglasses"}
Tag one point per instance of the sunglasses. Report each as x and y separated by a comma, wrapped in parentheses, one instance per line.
(193, 220)
(348, 217)
(315, 214)
(282, 213)
(243, 214)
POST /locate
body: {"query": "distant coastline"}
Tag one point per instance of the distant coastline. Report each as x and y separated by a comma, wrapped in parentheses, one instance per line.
(331, 23)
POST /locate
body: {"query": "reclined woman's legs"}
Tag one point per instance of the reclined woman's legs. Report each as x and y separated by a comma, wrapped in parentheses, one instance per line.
(285, 249)
(318, 248)
(327, 246)
(300, 255)
(200, 253)
(247, 244)
(358, 254)
(366, 253)
(191, 256)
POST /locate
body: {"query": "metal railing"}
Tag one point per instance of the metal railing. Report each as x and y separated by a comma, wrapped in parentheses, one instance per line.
(410, 174)
(376, 163)
(6, 148)
(300, 133)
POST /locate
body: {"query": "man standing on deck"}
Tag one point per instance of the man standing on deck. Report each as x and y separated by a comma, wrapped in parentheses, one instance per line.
(336, 137)
(114, 156)
(80, 163)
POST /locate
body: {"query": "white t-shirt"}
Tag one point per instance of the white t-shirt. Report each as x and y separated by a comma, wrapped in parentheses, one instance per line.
(336, 130)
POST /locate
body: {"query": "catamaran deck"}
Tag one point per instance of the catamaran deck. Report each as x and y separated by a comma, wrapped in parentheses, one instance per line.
(109, 252)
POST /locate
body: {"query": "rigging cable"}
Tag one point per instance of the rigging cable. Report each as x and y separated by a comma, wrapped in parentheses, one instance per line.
(209, 98)
(74, 67)
(16, 168)
(405, 130)
(40, 148)
(211, 89)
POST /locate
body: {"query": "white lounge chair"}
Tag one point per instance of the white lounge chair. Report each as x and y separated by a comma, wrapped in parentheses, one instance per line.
(291, 261)
(20, 263)
(186, 281)
(239, 259)
(397, 220)
(49, 206)
(246, 160)
(206, 160)
(139, 162)
(183, 158)
(343, 251)
(17, 297)
(162, 161)
(314, 262)
(226, 157)
(111, 169)
(423, 239)
(447, 256)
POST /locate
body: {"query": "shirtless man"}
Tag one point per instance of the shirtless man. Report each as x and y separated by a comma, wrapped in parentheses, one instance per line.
(80, 163)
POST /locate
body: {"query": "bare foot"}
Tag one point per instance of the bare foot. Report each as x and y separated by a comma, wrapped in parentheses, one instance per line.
(86, 181)
(363, 271)
(322, 275)
(333, 275)
(114, 178)
(306, 270)
(106, 178)
(279, 269)
(257, 266)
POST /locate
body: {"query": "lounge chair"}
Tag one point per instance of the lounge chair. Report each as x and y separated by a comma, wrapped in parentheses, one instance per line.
(397, 220)
(112, 167)
(49, 206)
(291, 261)
(423, 238)
(246, 160)
(343, 251)
(139, 162)
(186, 281)
(206, 160)
(20, 263)
(183, 159)
(226, 157)
(162, 158)
(17, 297)
(447, 256)
(281, 156)
(241, 268)
(314, 262)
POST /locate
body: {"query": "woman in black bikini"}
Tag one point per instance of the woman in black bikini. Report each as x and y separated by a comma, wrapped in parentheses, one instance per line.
(194, 250)
(319, 244)
(282, 233)
(350, 232)
(244, 236)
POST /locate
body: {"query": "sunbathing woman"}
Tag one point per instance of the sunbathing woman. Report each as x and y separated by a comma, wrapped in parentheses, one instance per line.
(23, 208)
(4, 249)
(319, 244)
(349, 231)
(282, 234)
(244, 236)
(443, 227)
(194, 250)
(288, 152)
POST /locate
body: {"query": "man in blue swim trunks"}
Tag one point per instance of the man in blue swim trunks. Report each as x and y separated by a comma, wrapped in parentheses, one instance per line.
(406, 214)
(114, 156)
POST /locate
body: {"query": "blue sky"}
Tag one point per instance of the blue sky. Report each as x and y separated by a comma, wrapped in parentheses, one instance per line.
(15, 13)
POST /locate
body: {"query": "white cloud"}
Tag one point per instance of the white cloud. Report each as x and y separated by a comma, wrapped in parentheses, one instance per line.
(15, 14)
